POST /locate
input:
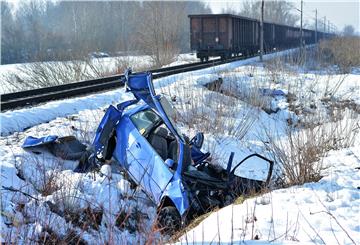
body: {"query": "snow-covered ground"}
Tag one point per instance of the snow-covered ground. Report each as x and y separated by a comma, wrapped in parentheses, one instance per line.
(326, 212)
(52, 195)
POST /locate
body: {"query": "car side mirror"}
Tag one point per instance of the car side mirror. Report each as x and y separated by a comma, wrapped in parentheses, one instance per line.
(169, 162)
(197, 140)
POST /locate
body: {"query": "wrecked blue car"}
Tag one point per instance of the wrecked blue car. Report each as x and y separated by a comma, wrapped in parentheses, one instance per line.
(172, 170)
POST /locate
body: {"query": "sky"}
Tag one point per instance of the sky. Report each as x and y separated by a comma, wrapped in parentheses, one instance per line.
(340, 13)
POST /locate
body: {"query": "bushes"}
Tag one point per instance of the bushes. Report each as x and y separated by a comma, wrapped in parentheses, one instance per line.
(341, 51)
(322, 117)
(45, 74)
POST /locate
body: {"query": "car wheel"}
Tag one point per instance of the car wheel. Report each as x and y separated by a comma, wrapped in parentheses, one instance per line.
(169, 220)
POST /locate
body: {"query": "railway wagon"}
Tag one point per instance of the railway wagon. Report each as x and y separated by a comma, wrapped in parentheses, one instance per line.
(227, 35)
(222, 35)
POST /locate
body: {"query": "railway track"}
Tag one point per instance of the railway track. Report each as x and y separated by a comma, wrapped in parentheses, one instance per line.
(40, 95)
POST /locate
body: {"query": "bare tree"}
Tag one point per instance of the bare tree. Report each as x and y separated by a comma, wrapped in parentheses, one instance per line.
(8, 30)
(43, 30)
(275, 11)
(348, 30)
(159, 34)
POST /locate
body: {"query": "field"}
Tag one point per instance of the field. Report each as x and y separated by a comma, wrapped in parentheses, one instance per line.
(305, 117)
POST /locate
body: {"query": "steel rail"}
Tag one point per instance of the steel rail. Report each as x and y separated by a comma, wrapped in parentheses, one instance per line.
(40, 95)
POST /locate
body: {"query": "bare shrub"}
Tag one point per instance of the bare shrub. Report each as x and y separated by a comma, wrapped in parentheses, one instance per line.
(41, 172)
(218, 114)
(44, 74)
(84, 127)
(332, 56)
(332, 88)
(276, 68)
(118, 65)
(341, 51)
(315, 128)
(299, 154)
(121, 64)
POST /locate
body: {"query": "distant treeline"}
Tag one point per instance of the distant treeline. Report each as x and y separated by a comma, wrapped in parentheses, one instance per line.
(40, 30)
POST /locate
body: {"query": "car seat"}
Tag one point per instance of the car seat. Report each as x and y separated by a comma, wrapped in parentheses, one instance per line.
(173, 154)
(158, 141)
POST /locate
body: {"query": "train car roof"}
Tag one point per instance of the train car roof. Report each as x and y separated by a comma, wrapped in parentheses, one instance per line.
(223, 15)
(243, 17)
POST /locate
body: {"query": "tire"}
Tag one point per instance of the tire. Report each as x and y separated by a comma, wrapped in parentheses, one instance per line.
(169, 220)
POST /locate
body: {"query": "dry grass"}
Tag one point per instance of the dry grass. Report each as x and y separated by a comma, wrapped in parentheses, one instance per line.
(215, 108)
(337, 55)
(315, 128)
(341, 51)
(45, 74)
(224, 112)
(194, 223)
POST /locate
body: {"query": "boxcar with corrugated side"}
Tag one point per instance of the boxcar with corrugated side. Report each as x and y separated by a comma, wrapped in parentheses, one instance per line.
(222, 35)
(227, 35)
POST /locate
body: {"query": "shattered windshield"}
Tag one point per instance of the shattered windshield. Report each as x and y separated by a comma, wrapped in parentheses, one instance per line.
(145, 121)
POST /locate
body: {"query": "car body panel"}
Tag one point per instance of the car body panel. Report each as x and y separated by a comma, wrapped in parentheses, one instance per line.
(145, 166)
(33, 141)
(156, 174)
(177, 194)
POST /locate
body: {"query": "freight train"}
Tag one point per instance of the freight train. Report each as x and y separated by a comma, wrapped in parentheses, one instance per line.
(228, 35)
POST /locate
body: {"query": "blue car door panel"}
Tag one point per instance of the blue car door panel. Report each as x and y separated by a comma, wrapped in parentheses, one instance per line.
(124, 152)
(158, 174)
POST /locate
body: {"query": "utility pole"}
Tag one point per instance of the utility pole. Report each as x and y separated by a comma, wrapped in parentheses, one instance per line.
(262, 31)
(301, 28)
(328, 26)
(316, 26)
(324, 23)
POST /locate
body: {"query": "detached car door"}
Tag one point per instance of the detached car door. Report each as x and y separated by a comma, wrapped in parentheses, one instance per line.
(157, 175)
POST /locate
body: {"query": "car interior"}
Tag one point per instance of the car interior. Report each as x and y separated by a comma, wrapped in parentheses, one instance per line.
(152, 127)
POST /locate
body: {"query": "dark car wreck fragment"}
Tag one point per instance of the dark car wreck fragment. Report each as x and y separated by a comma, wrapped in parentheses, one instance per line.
(172, 170)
